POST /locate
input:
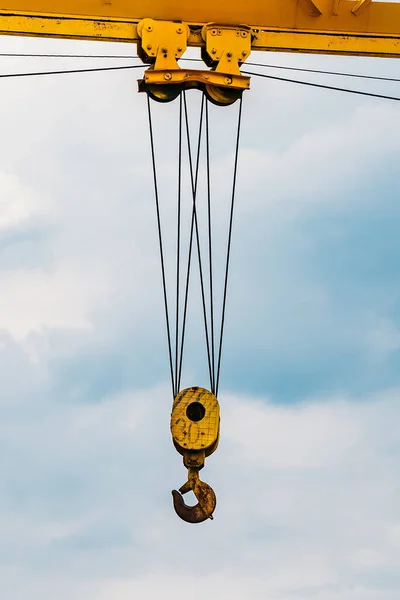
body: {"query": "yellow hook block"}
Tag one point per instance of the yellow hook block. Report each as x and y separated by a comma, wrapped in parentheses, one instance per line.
(195, 421)
(195, 433)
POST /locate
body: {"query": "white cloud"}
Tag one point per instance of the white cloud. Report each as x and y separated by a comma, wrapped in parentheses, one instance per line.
(314, 436)
(322, 164)
(33, 300)
(18, 203)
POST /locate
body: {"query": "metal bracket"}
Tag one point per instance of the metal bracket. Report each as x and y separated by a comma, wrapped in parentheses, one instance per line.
(162, 42)
(335, 9)
(360, 5)
(312, 7)
(226, 47)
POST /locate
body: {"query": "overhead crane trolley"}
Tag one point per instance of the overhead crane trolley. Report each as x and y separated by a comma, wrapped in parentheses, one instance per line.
(227, 33)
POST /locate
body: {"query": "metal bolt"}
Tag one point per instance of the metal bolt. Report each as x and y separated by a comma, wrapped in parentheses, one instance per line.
(179, 30)
(168, 77)
(244, 34)
(228, 80)
(164, 50)
(244, 53)
(213, 51)
(149, 28)
(229, 54)
(180, 48)
(149, 46)
(214, 31)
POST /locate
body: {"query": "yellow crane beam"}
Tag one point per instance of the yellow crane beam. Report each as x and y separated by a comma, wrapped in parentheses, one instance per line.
(352, 27)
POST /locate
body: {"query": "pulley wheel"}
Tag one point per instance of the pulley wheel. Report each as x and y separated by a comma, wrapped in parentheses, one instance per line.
(163, 93)
(222, 96)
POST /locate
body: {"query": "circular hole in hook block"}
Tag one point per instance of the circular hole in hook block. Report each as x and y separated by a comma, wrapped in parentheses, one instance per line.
(195, 412)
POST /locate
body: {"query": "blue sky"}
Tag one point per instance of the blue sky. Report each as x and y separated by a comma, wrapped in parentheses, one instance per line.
(307, 471)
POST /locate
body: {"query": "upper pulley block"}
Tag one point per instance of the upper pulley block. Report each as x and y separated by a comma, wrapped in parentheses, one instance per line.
(164, 42)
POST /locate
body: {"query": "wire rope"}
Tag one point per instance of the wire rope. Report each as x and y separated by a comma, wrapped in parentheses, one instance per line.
(69, 71)
(126, 67)
(228, 253)
(325, 87)
(196, 228)
(250, 64)
(178, 245)
(161, 244)
(322, 72)
(184, 318)
(210, 254)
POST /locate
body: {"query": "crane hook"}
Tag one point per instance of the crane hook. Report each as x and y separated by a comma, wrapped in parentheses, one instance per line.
(205, 495)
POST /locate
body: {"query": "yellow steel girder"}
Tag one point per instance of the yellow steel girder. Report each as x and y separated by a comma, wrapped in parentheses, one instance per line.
(359, 27)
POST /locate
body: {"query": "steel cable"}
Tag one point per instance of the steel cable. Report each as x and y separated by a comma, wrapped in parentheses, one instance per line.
(178, 245)
(161, 244)
(212, 333)
(325, 87)
(194, 193)
(228, 253)
(196, 228)
(250, 64)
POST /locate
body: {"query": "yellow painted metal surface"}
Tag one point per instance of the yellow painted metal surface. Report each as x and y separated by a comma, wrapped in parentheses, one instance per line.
(299, 14)
(195, 419)
(322, 43)
(68, 28)
(326, 26)
(164, 42)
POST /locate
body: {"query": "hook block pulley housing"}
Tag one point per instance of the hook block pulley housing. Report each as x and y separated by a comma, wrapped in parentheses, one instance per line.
(195, 424)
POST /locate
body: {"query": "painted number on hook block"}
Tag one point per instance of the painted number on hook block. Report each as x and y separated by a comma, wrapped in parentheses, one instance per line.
(195, 419)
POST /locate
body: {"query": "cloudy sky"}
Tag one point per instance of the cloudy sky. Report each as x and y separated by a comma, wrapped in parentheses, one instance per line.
(307, 473)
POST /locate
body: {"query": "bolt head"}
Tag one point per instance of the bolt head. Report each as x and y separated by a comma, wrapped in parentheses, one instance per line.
(149, 47)
(180, 48)
(214, 31)
(228, 80)
(179, 30)
(244, 34)
(213, 51)
(168, 76)
(229, 54)
(149, 28)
